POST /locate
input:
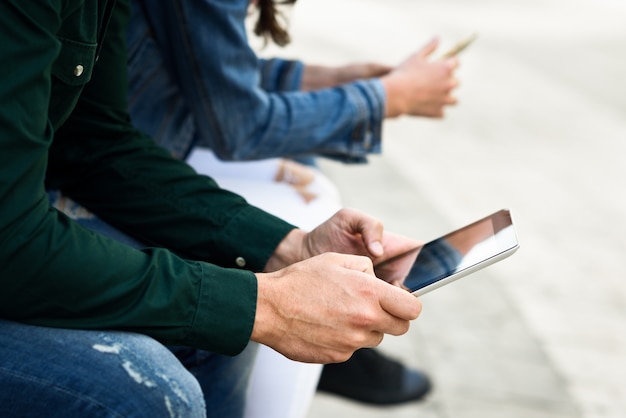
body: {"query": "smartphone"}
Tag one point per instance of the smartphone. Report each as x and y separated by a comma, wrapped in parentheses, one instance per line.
(460, 46)
(456, 254)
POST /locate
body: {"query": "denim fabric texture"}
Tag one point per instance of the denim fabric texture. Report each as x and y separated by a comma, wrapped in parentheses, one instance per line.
(91, 374)
(195, 81)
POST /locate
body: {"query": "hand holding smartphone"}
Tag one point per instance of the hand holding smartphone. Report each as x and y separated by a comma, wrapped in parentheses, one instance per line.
(459, 46)
(456, 254)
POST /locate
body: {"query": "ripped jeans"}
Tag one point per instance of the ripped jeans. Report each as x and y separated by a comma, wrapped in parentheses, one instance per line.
(51, 372)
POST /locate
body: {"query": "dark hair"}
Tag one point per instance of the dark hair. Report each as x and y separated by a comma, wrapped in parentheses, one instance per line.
(268, 24)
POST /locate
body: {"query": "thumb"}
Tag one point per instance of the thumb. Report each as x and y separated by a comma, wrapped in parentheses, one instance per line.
(429, 48)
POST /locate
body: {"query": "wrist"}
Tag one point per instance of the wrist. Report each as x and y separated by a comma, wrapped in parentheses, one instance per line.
(393, 106)
(264, 320)
(290, 250)
(317, 77)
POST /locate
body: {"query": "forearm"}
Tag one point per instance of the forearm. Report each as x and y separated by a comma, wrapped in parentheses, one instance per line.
(280, 75)
(316, 77)
(80, 280)
(343, 123)
(139, 188)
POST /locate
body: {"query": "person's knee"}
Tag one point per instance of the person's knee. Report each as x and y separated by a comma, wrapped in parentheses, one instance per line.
(149, 378)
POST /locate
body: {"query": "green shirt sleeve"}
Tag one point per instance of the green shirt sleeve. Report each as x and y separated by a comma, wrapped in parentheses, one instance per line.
(63, 122)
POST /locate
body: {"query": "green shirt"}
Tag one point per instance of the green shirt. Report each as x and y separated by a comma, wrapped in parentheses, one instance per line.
(64, 124)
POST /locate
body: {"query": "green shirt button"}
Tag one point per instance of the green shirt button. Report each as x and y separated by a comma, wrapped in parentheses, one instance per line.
(240, 261)
(78, 70)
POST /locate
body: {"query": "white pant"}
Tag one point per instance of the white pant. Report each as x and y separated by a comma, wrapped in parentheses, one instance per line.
(279, 387)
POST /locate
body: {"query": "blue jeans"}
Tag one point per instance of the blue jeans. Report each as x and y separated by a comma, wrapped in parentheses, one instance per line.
(50, 372)
(54, 372)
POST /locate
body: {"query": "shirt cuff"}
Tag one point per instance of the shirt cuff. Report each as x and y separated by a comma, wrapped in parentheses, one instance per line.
(226, 310)
(368, 101)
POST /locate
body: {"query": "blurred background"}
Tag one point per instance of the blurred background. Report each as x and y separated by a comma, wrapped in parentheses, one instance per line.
(540, 129)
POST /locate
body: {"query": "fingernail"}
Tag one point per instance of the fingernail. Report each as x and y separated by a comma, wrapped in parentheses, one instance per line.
(376, 248)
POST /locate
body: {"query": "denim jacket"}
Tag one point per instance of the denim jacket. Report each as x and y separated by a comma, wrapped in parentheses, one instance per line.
(194, 80)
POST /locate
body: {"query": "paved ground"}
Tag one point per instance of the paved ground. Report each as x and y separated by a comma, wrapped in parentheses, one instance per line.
(541, 130)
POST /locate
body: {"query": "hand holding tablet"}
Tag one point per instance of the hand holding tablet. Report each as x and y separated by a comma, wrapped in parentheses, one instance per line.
(458, 253)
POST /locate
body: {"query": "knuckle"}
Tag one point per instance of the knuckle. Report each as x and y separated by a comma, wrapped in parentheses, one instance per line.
(327, 256)
(346, 212)
(365, 319)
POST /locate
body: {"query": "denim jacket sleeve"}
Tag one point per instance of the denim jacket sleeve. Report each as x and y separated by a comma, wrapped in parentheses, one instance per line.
(194, 76)
(280, 75)
(54, 272)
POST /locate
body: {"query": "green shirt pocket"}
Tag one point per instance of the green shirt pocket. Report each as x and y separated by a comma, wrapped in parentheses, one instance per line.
(71, 71)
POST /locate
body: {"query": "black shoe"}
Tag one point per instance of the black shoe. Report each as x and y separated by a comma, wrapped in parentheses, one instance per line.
(370, 377)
